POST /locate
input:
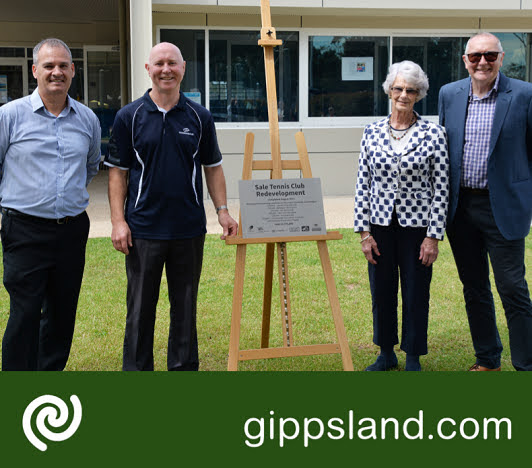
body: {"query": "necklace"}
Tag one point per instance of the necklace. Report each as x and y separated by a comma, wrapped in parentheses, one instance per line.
(402, 132)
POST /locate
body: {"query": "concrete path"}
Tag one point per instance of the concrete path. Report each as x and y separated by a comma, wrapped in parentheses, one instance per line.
(338, 210)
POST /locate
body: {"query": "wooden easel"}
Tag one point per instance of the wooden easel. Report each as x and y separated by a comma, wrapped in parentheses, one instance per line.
(268, 41)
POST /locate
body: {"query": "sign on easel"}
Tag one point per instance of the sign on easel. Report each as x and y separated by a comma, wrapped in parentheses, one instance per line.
(281, 207)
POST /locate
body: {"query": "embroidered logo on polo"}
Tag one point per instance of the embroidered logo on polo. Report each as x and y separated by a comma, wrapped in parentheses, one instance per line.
(186, 131)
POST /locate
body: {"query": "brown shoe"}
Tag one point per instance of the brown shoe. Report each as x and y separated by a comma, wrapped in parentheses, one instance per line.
(478, 367)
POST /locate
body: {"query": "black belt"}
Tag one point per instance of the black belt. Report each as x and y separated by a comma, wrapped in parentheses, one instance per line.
(18, 214)
(475, 191)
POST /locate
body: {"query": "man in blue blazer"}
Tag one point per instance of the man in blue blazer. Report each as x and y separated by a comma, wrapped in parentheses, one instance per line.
(488, 118)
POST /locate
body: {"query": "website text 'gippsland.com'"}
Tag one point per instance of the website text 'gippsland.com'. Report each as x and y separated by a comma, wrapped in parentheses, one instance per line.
(282, 431)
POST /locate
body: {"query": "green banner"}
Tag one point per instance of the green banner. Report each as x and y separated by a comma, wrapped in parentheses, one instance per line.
(264, 419)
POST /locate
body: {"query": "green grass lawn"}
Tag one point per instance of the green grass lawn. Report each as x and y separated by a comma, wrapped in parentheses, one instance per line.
(101, 312)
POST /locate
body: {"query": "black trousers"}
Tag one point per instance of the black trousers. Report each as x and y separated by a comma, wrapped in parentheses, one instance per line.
(144, 266)
(43, 269)
(399, 248)
(474, 237)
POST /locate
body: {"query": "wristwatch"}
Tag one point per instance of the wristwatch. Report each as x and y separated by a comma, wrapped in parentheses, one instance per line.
(221, 207)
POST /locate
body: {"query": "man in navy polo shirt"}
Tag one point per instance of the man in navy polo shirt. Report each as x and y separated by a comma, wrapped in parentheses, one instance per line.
(158, 146)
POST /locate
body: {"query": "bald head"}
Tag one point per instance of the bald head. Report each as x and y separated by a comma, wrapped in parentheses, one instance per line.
(164, 48)
(484, 37)
(166, 69)
(483, 72)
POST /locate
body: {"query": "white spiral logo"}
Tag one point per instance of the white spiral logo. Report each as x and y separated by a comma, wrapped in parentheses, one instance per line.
(49, 416)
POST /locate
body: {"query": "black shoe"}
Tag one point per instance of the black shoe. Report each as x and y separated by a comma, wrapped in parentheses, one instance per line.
(412, 363)
(382, 364)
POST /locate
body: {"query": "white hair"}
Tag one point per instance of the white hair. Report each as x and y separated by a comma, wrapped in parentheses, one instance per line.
(412, 73)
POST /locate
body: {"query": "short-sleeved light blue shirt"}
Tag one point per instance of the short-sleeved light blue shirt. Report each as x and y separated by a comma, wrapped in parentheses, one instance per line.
(46, 162)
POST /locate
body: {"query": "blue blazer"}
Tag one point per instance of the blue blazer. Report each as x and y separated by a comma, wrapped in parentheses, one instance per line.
(510, 151)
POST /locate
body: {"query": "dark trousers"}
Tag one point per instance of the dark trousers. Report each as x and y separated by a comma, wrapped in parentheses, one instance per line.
(43, 269)
(474, 237)
(144, 266)
(399, 248)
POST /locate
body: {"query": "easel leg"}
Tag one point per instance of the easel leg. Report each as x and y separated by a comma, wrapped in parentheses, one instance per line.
(238, 293)
(267, 296)
(335, 305)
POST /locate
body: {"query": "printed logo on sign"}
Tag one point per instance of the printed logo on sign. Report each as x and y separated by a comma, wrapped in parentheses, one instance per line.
(186, 131)
(54, 413)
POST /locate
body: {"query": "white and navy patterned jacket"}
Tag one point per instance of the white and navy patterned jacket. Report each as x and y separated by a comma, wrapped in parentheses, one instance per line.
(414, 180)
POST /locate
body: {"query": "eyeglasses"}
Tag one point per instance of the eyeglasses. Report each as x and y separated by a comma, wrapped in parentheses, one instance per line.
(489, 56)
(409, 91)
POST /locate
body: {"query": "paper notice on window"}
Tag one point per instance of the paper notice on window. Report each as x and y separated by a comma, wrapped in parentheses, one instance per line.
(193, 96)
(357, 68)
(281, 207)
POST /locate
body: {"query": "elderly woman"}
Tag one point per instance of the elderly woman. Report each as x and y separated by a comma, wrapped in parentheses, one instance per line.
(400, 212)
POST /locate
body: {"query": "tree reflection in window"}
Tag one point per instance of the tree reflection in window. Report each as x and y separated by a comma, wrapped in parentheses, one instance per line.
(237, 83)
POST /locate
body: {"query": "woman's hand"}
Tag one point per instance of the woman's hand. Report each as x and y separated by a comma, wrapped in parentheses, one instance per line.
(369, 247)
(428, 253)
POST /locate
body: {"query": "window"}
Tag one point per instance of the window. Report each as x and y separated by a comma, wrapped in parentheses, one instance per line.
(12, 52)
(345, 76)
(237, 83)
(439, 57)
(516, 47)
(11, 81)
(191, 43)
(103, 87)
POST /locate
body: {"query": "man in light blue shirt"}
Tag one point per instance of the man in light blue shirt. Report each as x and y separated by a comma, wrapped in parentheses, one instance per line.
(49, 152)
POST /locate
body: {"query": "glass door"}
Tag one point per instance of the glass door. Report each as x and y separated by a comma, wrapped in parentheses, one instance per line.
(13, 79)
(102, 86)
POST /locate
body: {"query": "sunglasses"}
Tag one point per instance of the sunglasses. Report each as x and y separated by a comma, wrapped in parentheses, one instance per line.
(409, 91)
(489, 56)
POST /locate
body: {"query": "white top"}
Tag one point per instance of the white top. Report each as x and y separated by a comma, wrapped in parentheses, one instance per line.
(399, 145)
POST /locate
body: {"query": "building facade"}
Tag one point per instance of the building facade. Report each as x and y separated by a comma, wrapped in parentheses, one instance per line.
(330, 67)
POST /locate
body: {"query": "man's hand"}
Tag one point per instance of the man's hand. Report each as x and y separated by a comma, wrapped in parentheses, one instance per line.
(214, 177)
(229, 225)
(428, 253)
(121, 237)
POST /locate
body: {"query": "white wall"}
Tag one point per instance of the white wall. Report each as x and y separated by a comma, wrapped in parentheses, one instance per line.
(333, 154)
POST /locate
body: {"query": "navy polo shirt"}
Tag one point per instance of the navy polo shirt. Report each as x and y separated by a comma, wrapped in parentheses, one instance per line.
(164, 153)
